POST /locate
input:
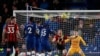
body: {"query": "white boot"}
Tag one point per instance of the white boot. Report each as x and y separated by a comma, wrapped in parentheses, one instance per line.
(29, 53)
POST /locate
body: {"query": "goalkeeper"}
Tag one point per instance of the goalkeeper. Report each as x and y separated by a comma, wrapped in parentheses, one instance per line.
(75, 44)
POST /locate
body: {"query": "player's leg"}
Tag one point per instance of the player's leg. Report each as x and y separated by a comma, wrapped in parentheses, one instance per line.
(48, 47)
(39, 49)
(40, 45)
(37, 44)
(81, 52)
(34, 45)
(16, 48)
(64, 52)
(43, 48)
(60, 48)
(9, 46)
(28, 45)
(70, 52)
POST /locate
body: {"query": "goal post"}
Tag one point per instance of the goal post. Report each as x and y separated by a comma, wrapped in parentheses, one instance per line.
(83, 13)
(87, 22)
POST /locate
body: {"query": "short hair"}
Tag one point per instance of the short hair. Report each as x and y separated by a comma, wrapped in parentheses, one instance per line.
(8, 20)
(31, 19)
(38, 21)
(76, 30)
(13, 17)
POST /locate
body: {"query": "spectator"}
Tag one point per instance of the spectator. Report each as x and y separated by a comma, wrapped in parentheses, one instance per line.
(1, 28)
(25, 6)
(14, 7)
(80, 27)
(15, 2)
(55, 5)
(91, 31)
(5, 14)
(34, 5)
(4, 5)
(44, 4)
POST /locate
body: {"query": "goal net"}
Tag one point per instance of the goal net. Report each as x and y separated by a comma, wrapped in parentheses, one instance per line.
(87, 22)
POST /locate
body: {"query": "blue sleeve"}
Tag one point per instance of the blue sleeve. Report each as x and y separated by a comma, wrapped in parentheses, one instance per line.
(52, 32)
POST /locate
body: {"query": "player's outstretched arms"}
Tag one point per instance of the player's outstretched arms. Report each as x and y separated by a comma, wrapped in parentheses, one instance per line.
(72, 37)
(83, 42)
(67, 40)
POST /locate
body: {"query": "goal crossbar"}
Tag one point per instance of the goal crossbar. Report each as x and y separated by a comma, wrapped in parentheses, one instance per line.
(31, 12)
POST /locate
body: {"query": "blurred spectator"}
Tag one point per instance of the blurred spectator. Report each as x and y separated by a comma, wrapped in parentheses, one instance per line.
(80, 24)
(91, 31)
(80, 27)
(14, 7)
(75, 22)
(34, 5)
(44, 4)
(78, 4)
(5, 14)
(93, 5)
(15, 2)
(59, 19)
(4, 5)
(55, 5)
(25, 6)
(1, 29)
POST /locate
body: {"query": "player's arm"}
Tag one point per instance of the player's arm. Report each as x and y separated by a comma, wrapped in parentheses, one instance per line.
(3, 34)
(17, 32)
(54, 39)
(83, 42)
(71, 37)
(67, 40)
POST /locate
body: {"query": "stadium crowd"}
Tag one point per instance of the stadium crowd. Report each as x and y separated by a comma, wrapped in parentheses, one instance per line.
(7, 7)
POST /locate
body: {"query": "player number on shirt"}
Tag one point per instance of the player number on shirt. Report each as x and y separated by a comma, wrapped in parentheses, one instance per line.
(43, 32)
(10, 29)
(29, 30)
